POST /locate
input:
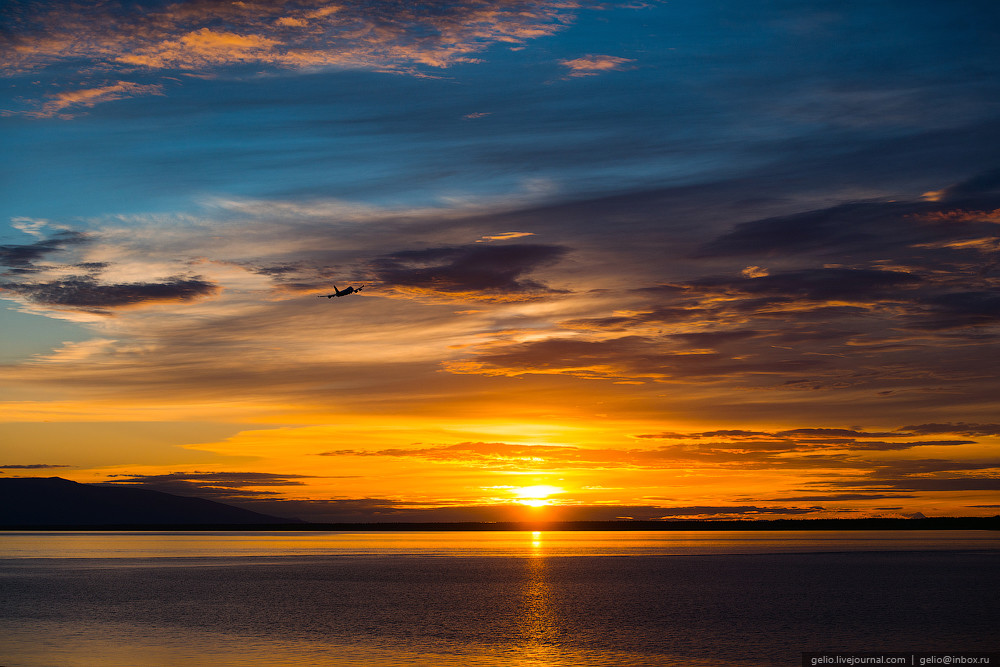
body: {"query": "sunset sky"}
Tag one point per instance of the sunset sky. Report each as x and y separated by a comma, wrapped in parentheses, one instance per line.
(628, 259)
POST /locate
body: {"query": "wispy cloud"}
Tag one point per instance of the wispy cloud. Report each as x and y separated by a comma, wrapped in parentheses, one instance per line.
(820, 448)
(67, 104)
(222, 486)
(32, 466)
(591, 65)
(505, 236)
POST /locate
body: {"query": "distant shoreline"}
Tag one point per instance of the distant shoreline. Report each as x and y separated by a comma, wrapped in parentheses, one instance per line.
(929, 523)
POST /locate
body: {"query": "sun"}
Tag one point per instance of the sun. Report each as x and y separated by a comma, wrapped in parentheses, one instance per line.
(536, 496)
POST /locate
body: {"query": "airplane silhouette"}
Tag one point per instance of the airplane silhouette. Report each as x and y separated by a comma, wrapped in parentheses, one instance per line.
(341, 292)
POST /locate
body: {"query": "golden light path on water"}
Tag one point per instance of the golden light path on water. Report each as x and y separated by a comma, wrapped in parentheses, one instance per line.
(112, 545)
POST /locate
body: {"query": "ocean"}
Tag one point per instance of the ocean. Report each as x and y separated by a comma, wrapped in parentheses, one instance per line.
(694, 598)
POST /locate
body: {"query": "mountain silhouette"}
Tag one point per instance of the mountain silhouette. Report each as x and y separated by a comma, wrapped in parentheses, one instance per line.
(54, 501)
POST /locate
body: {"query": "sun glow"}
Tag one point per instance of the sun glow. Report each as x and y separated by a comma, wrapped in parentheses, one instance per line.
(536, 496)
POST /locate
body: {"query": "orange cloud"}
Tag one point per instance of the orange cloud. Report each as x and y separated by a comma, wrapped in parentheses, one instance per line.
(308, 33)
(591, 65)
(203, 48)
(89, 97)
(961, 215)
(505, 236)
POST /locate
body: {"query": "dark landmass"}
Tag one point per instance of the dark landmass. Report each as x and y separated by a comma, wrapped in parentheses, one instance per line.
(34, 502)
(931, 523)
(53, 503)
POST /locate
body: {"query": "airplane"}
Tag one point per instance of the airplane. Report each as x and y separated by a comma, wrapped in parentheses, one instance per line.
(342, 292)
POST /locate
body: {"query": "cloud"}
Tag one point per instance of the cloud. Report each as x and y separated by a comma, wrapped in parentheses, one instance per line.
(21, 259)
(956, 310)
(505, 236)
(90, 97)
(203, 48)
(983, 183)
(969, 483)
(106, 49)
(802, 328)
(208, 34)
(621, 358)
(918, 476)
(486, 272)
(868, 228)
(960, 428)
(86, 293)
(33, 466)
(807, 439)
(803, 448)
(844, 496)
(851, 292)
(732, 511)
(809, 285)
(222, 486)
(591, 65)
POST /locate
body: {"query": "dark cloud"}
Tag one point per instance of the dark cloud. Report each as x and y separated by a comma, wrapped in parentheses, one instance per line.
(485, 270)
(924, 483)
(835, 432)
(32, 466)
(866, 228)
(957, 310)
(903, 467)
(823, 231)
(712, 339)
(960, 428)
(738, 510)
(87, 293)
(729, 433)
(798, 440)
(824, 284)
(844, 496)
(916, 476)
(21, 258)
(986, 182)
(278, 270)
(222, 486)
(627, 357)
(92, 267)
(917, 265)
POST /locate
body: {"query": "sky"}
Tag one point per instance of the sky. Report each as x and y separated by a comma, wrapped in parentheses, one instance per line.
(640, 259)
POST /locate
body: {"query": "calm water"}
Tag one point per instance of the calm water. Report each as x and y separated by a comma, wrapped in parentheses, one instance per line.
(518, 599)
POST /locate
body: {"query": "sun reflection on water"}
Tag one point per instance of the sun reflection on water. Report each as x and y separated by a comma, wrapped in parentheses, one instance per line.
(539, 624)
(536, 543)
